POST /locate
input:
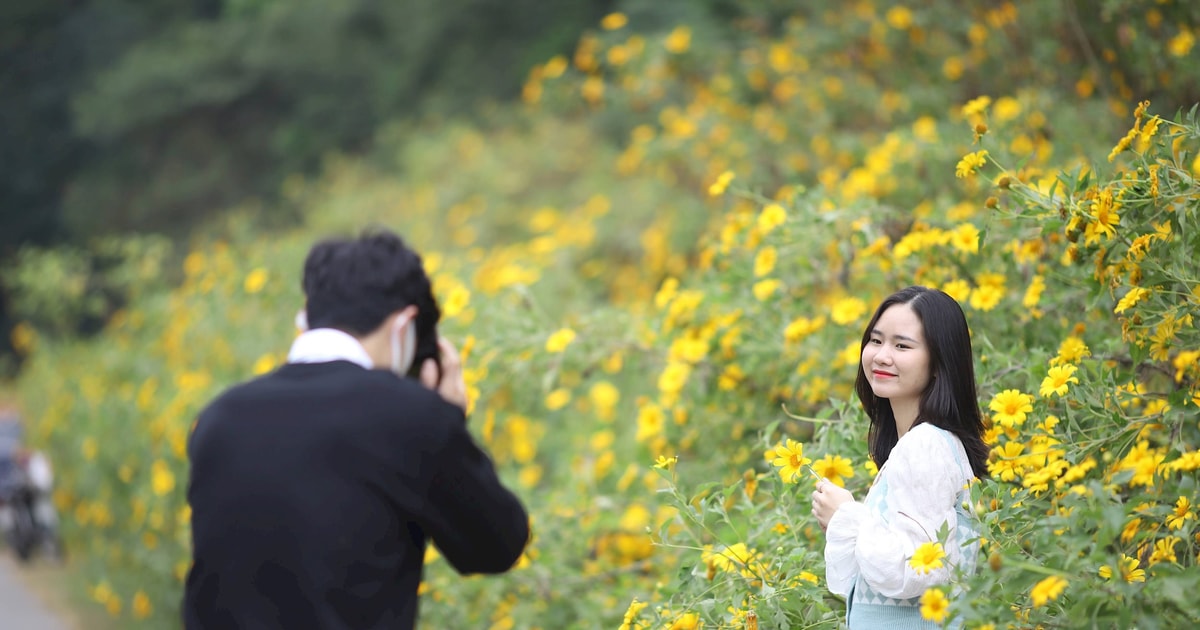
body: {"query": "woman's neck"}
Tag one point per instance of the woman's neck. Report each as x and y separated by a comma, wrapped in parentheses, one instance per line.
(905, 412)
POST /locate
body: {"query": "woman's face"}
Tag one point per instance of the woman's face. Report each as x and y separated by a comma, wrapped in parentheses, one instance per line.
(896, 359)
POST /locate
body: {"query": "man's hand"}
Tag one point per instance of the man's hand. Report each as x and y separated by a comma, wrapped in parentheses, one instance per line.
(827, 498)
(452, 387)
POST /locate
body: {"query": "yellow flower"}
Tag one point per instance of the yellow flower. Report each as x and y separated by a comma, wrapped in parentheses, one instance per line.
(1130, 570)
(1047, 590)
(629, 622)
(614, 362)
(927, 557)
(965, 238)
(559, 341)
(985, 297)
(976, 106)
(1164, 550)
(952, 68)
(666, 463)
(730, 377)
(1105, 218)
(687, 621)
(802, 327)
(194, 264)
(666, 292)
(848, 310)
(141, 605)
(553, 69)
(613, 21)
(457, 300)
(1033, 293)
(558, 399)
(1180, 515)
(1056, 381)
(1071, 350)
(732, 558)
(899, 17)
(1184, 361)
(970, 163)
(834, 468)
(764, 289)
(679, 40)
(1011, 406)
(1182, 43)
(764, 262)
(960, 290)
(1122, 144)
(1144, 462)
(1131, 298)
(592, 89)
(1148, 132)
(23, 338)
(673, 377)
(650, 421)
(264, 364)
(771, 217)
(935, 606)
(255, 280)
(789, 458)
(925, 129)
(162, 480)
(722, 182)
(604, 396)
(871, 468)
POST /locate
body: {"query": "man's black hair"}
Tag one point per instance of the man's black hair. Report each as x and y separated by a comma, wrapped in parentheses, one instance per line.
(352, 285)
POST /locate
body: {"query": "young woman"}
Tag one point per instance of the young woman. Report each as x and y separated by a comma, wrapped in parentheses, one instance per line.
(916, 381)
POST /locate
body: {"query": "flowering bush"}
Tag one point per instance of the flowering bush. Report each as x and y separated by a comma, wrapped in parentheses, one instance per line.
(661, 337)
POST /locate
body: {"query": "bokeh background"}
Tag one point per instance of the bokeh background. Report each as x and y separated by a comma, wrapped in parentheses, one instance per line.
(656, 229)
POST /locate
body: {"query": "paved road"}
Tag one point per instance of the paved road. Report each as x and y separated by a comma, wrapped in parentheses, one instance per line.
(19, 609)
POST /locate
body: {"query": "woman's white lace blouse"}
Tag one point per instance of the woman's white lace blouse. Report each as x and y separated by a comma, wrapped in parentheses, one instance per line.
(920, 489)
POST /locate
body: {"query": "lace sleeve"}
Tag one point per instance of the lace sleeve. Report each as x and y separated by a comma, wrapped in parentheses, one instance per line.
(923, 478)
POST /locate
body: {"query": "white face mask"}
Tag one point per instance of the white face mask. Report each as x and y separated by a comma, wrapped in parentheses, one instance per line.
(403, 354)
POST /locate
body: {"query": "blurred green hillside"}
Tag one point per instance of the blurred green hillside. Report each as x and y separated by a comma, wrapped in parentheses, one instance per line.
(654, 227)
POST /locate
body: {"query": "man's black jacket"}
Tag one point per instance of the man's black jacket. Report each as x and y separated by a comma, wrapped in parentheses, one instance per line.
(313, 490)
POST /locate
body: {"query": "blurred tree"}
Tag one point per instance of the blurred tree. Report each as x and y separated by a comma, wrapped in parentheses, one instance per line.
(204, 113)
(124, 116)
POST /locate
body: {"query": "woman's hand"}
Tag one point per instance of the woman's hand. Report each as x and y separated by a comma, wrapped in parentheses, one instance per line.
(827, 498)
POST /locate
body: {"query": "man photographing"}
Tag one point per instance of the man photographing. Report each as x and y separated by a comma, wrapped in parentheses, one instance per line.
(314, 488)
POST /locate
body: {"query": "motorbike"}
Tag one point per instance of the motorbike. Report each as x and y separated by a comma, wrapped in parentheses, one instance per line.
(28, 518)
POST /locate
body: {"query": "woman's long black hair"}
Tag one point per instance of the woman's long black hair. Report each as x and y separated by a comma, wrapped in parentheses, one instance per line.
(949, 401)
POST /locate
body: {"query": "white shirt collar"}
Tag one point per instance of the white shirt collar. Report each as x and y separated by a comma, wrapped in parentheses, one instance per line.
(323, 345)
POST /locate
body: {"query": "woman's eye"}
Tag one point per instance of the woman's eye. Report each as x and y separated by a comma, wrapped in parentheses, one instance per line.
(902, 346)
(875, 342)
